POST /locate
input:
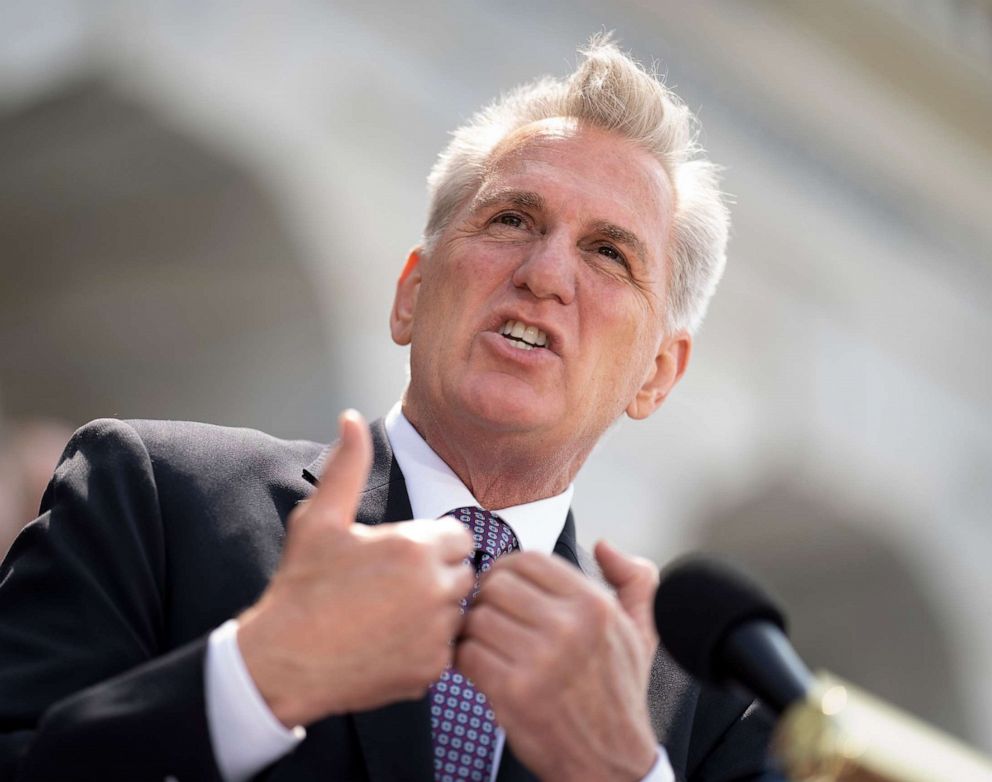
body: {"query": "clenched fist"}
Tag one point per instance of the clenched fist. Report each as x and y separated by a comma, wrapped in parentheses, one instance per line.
(355, 617)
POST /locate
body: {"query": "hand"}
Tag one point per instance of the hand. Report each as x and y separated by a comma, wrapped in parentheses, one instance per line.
(565, 664)
(355, 617)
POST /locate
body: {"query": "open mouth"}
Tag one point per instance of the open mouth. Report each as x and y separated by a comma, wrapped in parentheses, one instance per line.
(523, 336)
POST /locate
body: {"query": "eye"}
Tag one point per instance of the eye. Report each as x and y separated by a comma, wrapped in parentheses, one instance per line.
(611, 252)
(509, 219)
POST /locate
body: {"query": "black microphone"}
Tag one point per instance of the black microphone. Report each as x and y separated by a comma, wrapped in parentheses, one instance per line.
(724, 629)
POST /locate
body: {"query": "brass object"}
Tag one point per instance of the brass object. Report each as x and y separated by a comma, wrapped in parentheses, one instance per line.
(842, 734)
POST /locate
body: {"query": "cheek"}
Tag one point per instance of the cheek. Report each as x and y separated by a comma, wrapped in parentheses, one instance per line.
(626, 344)
(433, 300)
(614, 322)
(444, 314)
(485, 261)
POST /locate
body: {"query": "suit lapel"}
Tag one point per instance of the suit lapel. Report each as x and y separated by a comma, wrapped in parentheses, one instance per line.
(566, 546)
(395, 739)
(384, 467)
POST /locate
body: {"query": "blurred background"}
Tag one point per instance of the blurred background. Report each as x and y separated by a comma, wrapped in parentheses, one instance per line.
(204, 206)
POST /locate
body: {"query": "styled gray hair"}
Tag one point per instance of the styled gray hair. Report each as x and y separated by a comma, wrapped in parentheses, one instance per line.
(611, 91)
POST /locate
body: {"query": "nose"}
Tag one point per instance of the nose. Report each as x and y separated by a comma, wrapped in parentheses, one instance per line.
(548, 269)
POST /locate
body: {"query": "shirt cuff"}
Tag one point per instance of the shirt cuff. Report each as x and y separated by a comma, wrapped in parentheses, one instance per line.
(661, 771)
(244, 733)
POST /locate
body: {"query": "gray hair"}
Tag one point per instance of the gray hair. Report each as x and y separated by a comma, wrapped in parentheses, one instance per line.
(611, 91)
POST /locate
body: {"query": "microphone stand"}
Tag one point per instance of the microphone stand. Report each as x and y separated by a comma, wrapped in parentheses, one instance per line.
(838, 733)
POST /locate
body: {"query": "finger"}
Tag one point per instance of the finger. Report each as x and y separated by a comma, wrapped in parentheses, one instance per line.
(483, 665)
(346, 472)
(451, 538)
(460, 578)
(634, 578)
(547, 572)
(499, 632)
(511, 594)
(458, 583)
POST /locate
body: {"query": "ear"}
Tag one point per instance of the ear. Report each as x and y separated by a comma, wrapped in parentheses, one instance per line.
(405, 301)
(669, 366)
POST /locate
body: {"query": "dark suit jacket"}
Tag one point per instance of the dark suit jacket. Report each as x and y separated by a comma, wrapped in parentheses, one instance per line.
(154, 533)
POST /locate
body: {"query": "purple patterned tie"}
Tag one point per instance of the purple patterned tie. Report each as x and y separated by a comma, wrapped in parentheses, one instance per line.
(462, 724)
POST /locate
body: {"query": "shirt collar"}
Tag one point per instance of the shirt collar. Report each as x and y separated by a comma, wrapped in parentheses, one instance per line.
(434, 489)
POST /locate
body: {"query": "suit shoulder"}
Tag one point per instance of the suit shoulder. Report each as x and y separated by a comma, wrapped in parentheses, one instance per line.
(188, 446)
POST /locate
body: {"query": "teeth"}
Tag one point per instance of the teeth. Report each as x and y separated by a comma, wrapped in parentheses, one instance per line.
(524, 336)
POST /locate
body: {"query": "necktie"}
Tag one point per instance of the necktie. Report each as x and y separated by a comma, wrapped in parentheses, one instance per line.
(462, 724)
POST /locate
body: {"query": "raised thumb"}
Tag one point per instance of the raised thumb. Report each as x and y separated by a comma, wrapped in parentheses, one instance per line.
(346, 471)
(635, 580)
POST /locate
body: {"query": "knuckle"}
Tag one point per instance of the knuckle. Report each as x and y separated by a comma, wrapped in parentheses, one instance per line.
(479, 616)
(464, 580)
(477, 620)
(435, 593)
(495, 579)
(448, 527)
(420, 552)
(448, 585)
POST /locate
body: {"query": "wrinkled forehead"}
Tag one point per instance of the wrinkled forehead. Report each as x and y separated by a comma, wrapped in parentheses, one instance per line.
(606, 164)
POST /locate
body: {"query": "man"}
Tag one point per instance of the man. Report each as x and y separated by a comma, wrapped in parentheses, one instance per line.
(574, 238)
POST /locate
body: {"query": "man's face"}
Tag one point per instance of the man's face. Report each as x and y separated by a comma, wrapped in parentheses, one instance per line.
(564, 247)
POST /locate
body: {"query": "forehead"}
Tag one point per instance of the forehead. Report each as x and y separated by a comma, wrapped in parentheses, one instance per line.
(587, 168)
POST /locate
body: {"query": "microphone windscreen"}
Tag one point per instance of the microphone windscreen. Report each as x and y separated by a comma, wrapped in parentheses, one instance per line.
(699, 603)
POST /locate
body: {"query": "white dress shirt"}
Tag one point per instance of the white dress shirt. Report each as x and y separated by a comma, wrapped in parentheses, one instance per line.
(245, 735)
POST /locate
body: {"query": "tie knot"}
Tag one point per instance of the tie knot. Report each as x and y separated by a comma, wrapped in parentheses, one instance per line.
(492, 535)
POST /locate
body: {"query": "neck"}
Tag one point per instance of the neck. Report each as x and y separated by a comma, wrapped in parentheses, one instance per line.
(511, 469)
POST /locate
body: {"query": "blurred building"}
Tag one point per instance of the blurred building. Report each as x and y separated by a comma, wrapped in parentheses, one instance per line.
(29, 452)
(203, 208)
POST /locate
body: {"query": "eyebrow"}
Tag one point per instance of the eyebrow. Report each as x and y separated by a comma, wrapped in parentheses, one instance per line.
(527, 199)
(622, 236)
(524, 199)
